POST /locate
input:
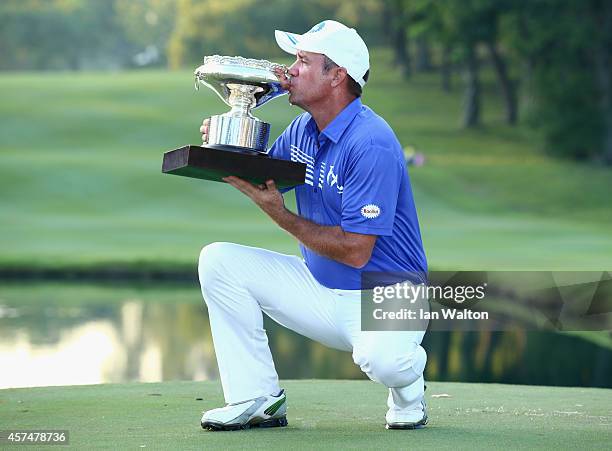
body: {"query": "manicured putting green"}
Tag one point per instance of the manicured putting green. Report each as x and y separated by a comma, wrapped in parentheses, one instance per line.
(323, 414)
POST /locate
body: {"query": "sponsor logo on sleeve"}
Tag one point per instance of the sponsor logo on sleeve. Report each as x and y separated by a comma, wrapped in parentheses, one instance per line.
(370, 211)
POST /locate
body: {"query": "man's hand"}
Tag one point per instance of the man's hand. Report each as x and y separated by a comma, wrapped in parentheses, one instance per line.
(266, 196)
(204, 130)
(353, 249)
(281, 73)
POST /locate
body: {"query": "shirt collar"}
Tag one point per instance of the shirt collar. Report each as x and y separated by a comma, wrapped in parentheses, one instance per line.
(338, 125)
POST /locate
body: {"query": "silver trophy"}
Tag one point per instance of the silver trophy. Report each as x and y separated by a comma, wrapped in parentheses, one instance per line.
(243, 84)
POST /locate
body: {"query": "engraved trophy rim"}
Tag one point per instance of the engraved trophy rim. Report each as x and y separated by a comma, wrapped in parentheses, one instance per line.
(241, 61)
(218, 71)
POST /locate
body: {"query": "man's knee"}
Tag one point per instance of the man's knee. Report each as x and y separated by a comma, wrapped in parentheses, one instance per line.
(211, 263)
(391, 370)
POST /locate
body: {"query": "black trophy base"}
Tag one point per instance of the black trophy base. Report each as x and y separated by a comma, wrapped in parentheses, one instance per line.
(213, 164)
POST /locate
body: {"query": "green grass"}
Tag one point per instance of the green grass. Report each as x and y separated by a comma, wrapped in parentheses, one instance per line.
(322, 415)
(66, 294)
(81, 184)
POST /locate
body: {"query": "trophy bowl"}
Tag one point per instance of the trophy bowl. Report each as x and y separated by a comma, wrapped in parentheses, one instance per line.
(243, 84)
(237, 140)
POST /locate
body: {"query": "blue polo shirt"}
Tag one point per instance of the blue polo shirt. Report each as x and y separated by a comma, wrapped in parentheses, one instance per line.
(356, 178)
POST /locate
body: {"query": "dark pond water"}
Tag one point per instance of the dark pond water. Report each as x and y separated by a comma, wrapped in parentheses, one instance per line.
(64, 334)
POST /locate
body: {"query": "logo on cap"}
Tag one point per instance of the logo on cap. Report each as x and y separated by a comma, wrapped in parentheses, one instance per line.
(317, 27)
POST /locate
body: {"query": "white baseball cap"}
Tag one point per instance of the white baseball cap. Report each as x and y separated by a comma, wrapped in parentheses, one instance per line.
(336, 41)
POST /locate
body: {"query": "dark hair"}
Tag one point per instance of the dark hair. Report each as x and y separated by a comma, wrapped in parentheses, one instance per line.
(354, 87)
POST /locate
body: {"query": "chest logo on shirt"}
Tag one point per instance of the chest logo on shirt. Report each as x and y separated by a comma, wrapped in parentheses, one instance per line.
(332, 179)
(370, 211)
(300, 156)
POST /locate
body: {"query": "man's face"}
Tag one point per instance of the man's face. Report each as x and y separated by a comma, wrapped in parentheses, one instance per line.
(308, 82)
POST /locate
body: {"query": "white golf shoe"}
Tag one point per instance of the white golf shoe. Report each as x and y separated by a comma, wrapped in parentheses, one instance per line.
(262, 412)
(407, 418)
(407, 407)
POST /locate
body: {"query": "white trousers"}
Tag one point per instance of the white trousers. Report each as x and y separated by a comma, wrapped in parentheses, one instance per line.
(240, 282)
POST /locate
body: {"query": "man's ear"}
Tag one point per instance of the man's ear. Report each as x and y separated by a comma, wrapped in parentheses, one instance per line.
(339, 76)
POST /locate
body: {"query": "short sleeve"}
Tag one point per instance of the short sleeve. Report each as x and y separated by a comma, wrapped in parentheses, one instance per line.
(371, 189)
(281, 149)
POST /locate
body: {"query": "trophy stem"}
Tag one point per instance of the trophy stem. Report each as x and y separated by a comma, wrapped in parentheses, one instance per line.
(242, 99)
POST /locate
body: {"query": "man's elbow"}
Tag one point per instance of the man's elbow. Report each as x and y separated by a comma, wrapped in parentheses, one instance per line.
(358, 259)
(358, 250)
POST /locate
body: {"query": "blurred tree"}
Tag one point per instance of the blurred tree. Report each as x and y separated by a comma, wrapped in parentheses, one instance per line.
(246, 27)
(428, 23)
(205, 27)
(465, 26)
(472, 96)
(422, 60)
(446, 68)
(29, 30)
(395, 20)
(567, 46)
(562, 47)
(469, 24)
(492, 12)
(61, 34)
(600, 13)
(148, 25)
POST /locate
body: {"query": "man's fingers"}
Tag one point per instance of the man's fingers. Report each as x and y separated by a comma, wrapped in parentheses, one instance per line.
(281, 74)
(204, 130)
(232, 182)
(270, 185)
(246, 187)
(205, 126)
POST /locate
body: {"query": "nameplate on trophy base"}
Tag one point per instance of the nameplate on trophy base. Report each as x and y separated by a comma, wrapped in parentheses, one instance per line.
(214, 164)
